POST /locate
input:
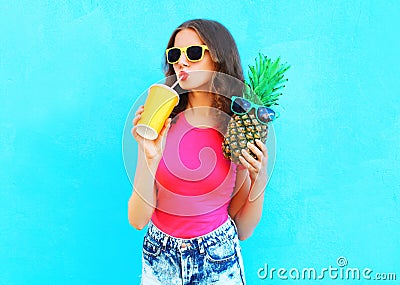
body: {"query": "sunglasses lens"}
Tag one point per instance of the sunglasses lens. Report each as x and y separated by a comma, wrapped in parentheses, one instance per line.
(194, 52)
(241, 106)
(265, 114)
(173, 55)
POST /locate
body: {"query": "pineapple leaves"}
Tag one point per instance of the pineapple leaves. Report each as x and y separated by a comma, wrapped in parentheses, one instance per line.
(266, 78)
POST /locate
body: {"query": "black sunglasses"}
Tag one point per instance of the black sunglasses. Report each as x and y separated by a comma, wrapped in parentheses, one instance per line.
(193, 53)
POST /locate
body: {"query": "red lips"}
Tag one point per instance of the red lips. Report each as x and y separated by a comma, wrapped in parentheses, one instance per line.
(183, 75)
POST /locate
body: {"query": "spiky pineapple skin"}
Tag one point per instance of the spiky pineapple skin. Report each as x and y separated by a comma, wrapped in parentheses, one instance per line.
(241, 130)
(266, 78)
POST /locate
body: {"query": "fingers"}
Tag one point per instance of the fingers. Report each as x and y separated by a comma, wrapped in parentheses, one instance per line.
(245, 163)
(255, 150)
(136, 135)
(135, 120)
(263, 148)
(167, 125)
(249, 161)
(138, 115)
(139, 110)
(160, 141)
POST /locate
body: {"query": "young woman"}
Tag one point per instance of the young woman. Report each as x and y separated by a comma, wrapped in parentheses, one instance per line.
(197, 204)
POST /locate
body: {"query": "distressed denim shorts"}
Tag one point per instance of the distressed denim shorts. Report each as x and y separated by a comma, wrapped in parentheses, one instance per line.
(214, 258)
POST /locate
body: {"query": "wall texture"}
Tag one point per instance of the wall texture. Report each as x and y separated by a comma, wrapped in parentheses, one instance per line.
(70, 72)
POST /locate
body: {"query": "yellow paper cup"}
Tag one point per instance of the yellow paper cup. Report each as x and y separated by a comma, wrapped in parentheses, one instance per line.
(160, 102)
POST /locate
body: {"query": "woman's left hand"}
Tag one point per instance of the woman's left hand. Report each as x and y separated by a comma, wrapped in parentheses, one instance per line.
(257, 167)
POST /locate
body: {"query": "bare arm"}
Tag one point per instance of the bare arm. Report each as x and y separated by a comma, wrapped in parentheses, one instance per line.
(246, 206)
(143, 200)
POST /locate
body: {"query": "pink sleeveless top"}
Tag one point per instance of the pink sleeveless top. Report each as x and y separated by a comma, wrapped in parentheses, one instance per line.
(194, 181)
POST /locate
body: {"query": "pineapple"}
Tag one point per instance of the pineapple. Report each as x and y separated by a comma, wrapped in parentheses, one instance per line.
(265, 79)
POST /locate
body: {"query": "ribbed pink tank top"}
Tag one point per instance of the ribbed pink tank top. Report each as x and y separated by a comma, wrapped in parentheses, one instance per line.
(194, 181)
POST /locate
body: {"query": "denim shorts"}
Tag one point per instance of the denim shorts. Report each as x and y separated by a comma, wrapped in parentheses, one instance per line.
(214, 258)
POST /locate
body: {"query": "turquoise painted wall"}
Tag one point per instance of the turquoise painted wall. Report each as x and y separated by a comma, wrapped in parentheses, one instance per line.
(70, 71)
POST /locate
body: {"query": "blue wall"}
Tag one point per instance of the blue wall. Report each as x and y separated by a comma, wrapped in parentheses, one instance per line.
(70, 72)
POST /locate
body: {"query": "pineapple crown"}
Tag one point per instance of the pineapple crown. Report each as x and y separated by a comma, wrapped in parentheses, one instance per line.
(266, 79)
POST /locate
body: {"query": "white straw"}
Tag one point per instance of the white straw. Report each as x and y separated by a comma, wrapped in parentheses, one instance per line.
(176, 83)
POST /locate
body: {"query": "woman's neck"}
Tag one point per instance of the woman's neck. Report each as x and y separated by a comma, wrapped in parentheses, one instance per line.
(200, 111)
(197, 100)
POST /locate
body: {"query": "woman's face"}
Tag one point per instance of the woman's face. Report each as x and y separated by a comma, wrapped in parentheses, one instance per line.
(200, 72)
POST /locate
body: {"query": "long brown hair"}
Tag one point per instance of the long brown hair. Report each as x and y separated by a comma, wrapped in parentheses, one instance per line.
(224, 54)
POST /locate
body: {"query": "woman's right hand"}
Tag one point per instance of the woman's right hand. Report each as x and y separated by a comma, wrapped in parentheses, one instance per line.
(152, 148)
